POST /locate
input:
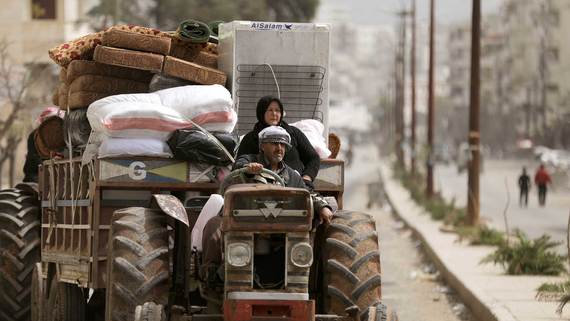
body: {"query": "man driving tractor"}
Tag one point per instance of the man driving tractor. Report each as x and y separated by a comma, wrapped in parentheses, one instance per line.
(273, 142)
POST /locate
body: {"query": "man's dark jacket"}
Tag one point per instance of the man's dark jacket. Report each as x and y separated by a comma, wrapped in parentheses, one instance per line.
(302, 157)
(290, 176)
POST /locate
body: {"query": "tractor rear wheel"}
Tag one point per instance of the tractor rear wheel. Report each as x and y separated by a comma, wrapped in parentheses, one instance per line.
(66, 302)
(19, 252)
(38, 300)
(352, 265)
(138, 268)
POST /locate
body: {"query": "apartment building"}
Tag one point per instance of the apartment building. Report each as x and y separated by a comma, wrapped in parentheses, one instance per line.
(492, 95)
(537, 59)
(32, 27)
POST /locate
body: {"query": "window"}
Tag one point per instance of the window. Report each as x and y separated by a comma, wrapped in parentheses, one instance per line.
(43, 9)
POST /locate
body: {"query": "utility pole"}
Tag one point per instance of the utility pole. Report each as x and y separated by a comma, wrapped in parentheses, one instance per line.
(474, 134)
(396, 108)
(413, 102)
(429, 189)
(401, 91)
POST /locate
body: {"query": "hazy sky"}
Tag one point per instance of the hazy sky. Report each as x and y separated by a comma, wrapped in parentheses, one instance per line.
(380, 12)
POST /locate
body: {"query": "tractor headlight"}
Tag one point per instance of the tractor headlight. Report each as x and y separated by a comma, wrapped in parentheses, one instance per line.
(239, 254)
(302, 255)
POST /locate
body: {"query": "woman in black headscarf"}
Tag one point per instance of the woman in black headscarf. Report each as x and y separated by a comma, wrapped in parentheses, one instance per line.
(302, 157)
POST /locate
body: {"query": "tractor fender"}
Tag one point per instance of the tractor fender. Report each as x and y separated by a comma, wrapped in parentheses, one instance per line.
(172, 207)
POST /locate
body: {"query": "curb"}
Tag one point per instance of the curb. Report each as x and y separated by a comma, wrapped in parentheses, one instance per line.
(478, 308)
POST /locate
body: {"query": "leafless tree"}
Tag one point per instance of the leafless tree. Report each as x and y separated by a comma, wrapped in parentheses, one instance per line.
(14, 80)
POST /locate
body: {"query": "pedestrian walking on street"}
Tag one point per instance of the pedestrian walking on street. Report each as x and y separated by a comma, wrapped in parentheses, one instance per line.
(524, 187)
(542, 179)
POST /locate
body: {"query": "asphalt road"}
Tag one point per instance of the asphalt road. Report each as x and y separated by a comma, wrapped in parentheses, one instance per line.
(534, 220)
(410, 284)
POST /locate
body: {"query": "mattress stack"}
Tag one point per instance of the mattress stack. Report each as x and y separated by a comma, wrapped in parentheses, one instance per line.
(123, 60)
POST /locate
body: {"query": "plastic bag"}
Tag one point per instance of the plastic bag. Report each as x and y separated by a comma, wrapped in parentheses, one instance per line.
(160, 82)
(194, 145)
(313, 130)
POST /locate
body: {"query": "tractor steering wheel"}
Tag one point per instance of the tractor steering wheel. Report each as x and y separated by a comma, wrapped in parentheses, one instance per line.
(241, 174)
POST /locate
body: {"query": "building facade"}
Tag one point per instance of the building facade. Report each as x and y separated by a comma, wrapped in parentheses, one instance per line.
(32, 27)
(525, 70)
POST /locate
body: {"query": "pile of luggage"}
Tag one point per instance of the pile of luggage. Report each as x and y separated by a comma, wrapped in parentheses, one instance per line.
(128, 89)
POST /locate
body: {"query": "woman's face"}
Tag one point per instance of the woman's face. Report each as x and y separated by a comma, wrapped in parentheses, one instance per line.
(272, 115)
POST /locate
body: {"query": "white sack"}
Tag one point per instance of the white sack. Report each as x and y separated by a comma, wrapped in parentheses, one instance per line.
(114, 147)
(210, 209)
(158, 114)
(314, 130)
(134, 120)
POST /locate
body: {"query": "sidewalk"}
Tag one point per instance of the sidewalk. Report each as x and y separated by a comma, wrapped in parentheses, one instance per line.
(485, 289)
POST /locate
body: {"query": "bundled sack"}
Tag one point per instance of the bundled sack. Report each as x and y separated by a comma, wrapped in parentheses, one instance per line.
(114, 147)
(76, 127)
(196, 146)
(49, 137)
(193, 31)
(158, 114)
(314, 130)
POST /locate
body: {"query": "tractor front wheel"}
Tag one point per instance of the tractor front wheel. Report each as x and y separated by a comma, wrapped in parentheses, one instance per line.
(352, 266)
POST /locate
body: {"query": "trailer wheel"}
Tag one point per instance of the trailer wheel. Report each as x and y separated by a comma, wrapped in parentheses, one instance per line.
(19, 251)
(38, 294)
(150, 311)
(66, 302)
(352, 261)
(138, 267)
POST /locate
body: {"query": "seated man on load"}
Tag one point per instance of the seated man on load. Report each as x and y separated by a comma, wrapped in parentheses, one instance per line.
(273, 142)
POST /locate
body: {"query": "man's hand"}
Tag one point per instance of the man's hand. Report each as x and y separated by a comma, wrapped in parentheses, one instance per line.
(254, 168)
(307, 178)
(326, 215)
